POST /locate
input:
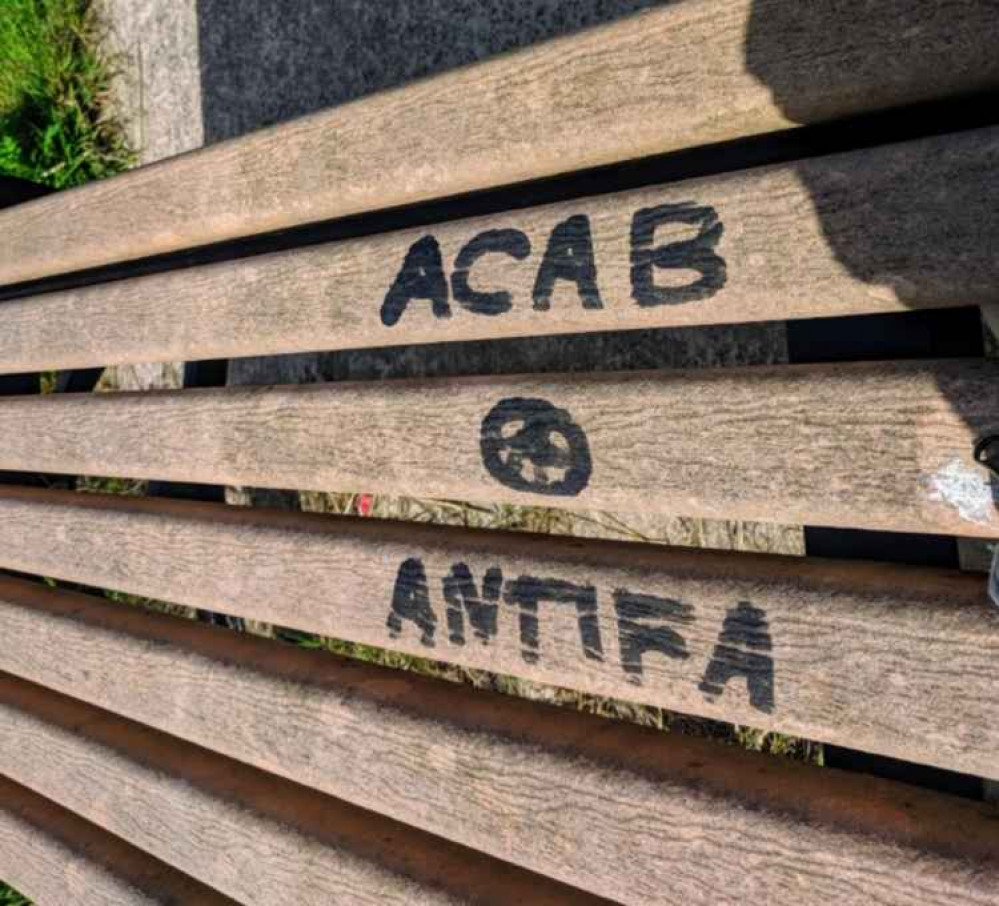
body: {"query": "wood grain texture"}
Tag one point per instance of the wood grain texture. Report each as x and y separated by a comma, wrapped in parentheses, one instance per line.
(642, 816)
(896, 660)
(795, 241)
(692, 73)
(55, 857)
(878, 446)
(249, 834)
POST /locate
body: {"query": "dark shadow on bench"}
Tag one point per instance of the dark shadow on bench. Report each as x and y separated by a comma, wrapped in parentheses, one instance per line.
(789, 47)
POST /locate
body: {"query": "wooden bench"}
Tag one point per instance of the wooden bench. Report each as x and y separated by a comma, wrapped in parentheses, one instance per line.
(652, 174)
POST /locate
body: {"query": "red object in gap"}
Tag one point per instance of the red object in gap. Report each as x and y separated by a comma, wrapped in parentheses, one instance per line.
(364, 503)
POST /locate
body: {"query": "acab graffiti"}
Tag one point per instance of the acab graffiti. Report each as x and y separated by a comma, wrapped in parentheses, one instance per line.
(568, 256)
(647, 624)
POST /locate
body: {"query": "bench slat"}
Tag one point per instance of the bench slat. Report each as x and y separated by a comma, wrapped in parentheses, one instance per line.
(55, 857)
(693, 73)
(924, 686)
(794, 241)
(246, 833)
(583, 798)
(870, 445)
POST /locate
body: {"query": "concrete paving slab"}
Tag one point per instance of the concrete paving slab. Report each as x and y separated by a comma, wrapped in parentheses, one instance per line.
(159, 84)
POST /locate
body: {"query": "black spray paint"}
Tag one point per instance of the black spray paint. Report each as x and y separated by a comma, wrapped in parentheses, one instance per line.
(643, 627)
(411, 602)
(647, 624)
(745, 634)
(697, 254)
(463, 597)
(569, 256)
(530, 445)
(421, 277)
(526, 593)
(509, 242)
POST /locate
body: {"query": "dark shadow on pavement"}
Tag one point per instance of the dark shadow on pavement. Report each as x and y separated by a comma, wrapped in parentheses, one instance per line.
(264, 62)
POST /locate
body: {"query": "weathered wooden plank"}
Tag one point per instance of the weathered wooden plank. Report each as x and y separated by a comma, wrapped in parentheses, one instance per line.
(248, 834)
(771, 642)
(870, 445)
(794, 241)
(691, 73)
(55, 857)
(642, 816)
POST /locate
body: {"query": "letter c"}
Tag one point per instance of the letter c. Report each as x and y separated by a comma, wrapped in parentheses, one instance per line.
(509, 242)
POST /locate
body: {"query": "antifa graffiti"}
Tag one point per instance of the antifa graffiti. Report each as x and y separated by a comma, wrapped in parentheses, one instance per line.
(663, 273)
(743, 650)
(411, 601)
(526, 593)
(463, 597)
(647, 625)
(529, 445)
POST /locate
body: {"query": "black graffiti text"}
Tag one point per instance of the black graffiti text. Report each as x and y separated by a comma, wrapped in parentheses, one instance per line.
(663, 272)
(527, 593)
(743, 650)
(648, 625)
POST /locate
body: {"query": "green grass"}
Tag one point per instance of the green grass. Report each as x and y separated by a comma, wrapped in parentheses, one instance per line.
(55, 126)
(10, 897)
